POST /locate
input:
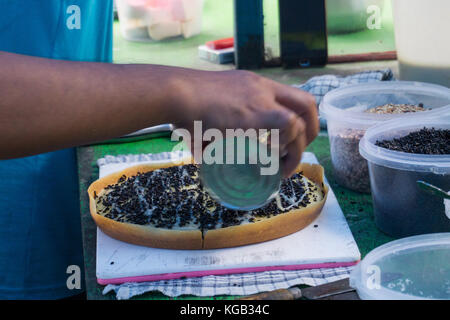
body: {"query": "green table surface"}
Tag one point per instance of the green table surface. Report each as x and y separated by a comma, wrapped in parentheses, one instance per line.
(357, 207)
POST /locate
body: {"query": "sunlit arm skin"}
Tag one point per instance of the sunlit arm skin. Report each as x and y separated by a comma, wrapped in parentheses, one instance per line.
(47, 104)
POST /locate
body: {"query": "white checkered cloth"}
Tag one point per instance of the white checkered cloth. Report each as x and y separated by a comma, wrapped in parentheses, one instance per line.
(233, 284)
(320, 85)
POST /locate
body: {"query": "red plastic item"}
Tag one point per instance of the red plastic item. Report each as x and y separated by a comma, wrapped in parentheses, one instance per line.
(220, 44)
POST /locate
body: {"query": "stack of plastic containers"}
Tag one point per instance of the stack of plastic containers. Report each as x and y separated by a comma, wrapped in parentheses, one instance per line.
(347, 120)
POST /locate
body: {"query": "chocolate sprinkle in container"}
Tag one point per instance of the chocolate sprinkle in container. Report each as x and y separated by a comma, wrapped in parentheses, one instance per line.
(348, 118)
(401, 207)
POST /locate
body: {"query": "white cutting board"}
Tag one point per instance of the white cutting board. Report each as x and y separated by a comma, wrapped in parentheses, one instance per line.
(327, 242)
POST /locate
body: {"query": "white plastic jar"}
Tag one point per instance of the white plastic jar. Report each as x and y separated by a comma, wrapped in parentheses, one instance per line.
(422, 33)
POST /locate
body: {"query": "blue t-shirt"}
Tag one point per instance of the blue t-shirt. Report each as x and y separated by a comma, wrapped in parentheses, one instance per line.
(40, 229)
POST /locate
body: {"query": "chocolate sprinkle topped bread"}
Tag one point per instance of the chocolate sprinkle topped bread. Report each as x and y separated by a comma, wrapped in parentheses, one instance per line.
(165, 206)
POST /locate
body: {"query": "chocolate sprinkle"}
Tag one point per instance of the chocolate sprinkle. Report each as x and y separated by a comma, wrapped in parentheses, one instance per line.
(173, 198)
(425, 141)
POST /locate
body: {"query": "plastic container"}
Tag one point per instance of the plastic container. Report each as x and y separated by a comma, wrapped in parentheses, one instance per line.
(150, 20)
(401, 208)
(347, 122)
(421, 37)
(407, 269)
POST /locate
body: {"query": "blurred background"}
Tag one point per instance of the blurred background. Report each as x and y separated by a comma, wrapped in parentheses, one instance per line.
(346, 24)
(172, 32)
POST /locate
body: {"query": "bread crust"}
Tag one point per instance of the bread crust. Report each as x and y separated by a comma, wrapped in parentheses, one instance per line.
(263, 230)
(274, 227)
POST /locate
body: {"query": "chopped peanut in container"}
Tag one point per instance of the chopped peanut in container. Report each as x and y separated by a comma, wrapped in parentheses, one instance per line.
(396, 108)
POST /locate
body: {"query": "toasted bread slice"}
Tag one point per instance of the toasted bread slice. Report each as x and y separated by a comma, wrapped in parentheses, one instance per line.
(205, 224)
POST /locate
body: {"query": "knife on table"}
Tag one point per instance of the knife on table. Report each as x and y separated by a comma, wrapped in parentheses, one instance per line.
(144, 134)
(337, 290)
(311, 293)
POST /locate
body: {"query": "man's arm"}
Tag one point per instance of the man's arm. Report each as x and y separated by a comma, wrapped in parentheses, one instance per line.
(47, 104)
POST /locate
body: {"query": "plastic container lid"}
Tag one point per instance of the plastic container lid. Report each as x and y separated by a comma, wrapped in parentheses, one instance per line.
(349, 103)
(410, 268)
(439, 164)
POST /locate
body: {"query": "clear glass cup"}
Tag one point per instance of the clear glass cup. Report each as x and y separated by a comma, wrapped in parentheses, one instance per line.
(243, 180)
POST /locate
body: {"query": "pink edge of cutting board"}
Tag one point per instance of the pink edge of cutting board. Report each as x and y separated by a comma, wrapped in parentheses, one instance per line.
(191, 274)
